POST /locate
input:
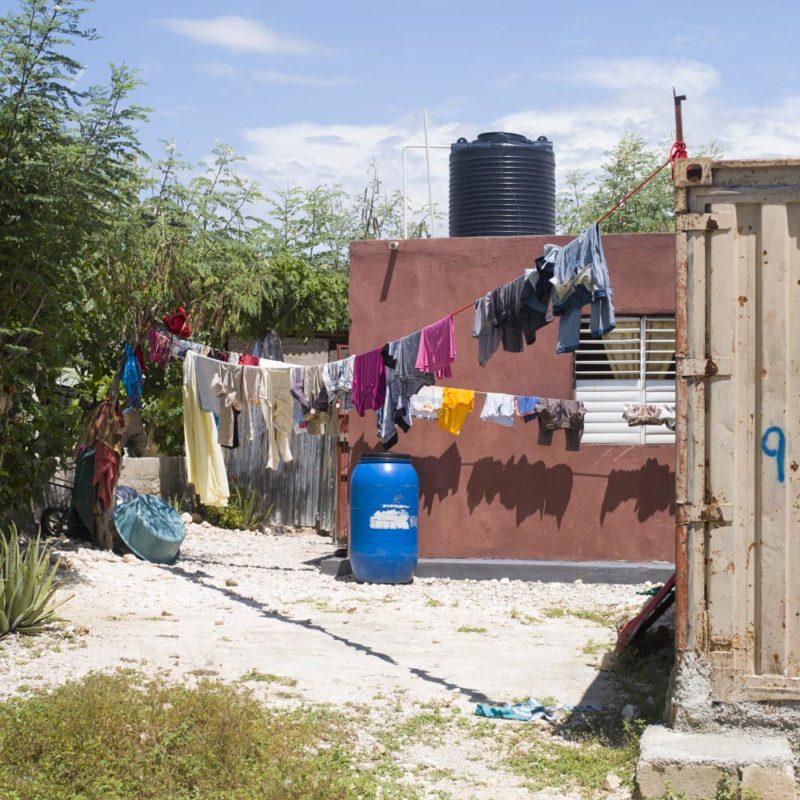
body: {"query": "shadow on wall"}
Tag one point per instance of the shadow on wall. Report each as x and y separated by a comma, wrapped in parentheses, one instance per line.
(651, 486)
(438, 477)
(527, 488)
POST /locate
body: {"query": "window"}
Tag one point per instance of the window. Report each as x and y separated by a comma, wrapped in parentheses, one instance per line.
(635, 363)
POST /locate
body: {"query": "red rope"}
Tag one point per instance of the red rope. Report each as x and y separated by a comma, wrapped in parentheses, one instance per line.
(678, 150)
(632, 192)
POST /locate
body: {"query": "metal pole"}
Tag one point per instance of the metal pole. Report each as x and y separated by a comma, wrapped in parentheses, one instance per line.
(678, 99)
(428, 162)
(405, 220)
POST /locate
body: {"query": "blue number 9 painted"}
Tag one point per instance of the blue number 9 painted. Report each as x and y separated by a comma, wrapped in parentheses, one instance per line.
(778, 452)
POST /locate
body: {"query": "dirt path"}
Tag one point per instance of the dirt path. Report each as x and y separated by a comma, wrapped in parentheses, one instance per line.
(254, 607)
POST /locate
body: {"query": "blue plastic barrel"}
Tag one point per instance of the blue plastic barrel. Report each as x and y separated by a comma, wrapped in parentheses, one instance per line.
(384, 508)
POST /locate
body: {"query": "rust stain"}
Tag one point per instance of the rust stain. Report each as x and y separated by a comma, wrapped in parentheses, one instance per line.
(731, 568)
(763, 373)
(742, 299)
(712, 368)
(793, 466)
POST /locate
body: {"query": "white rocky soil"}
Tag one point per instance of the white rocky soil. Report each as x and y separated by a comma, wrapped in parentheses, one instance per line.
(238, 602)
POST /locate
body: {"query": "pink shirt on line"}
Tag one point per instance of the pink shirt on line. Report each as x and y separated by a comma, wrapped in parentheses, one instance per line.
(437, 348)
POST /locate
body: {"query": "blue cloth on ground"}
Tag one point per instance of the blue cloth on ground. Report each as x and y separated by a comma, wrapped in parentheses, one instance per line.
(151, 528)
(531, 710)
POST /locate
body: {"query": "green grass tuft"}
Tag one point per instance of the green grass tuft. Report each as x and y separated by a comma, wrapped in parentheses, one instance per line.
(124, 737)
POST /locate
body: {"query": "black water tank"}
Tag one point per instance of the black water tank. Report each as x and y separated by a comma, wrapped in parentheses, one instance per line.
(502, 184)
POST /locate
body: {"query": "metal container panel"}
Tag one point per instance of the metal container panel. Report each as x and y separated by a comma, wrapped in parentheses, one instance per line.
(738, 438)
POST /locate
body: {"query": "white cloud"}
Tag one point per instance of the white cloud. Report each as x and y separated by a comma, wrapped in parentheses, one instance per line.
(308, 154)
(688, 77)
(241, 35)
(296, 79)
(217, 69)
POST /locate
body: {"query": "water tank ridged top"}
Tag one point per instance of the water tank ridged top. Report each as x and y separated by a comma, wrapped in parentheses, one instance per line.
(502, 184)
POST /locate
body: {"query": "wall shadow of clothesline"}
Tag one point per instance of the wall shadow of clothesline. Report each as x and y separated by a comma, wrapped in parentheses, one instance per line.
(528, 488)
(439, 476)
(652, 487)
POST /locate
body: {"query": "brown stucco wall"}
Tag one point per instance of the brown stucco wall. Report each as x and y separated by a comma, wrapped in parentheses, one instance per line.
(494, 492)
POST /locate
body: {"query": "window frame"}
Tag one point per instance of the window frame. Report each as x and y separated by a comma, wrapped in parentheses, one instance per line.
(638, 388)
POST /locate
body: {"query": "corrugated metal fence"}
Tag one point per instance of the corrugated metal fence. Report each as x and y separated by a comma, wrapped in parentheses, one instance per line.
(302, 492)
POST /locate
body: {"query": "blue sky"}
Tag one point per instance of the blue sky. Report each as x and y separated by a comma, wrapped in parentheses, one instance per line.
(311, 92)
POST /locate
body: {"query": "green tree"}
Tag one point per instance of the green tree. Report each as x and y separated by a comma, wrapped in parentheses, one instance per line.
(584, 201)
(67, 171)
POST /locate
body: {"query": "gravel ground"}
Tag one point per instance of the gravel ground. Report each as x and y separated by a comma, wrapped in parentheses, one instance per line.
(238, 602)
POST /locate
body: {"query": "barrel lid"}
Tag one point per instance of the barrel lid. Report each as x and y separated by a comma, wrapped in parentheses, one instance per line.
(384, 457)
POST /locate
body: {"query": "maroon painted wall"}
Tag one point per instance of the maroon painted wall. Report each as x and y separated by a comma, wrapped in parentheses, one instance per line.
(492, 491)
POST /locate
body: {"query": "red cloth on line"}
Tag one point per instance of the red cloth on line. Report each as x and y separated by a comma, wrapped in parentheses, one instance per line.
(177, 323)
(248, 360)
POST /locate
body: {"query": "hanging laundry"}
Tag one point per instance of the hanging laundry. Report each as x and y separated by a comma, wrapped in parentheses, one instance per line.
(369, 382)
(274, 393)
(437, 348)
(270, 347)
(499, 408)
(160, 347)
(177, 323)
(558, 414)
(103, 430)
(248, 360)
(233, 357)
(526, 407)
(132, 377)
(338, 379)
(206, 369)
(538, 294)
(637, 414)
(580, 277)
(219, 355)
(427, 403)
(205, 468)
(235, 422)
(484, 330)
(403, 381)
(318, 415)
(517, 321)
(457, 405)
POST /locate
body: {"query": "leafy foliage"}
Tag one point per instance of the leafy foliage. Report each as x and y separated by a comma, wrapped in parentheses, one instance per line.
(66, 164)
(245, 511)
(652, 209)
(27, 585)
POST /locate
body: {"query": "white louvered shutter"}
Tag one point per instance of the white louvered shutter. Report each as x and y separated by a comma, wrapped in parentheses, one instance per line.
(632, 364)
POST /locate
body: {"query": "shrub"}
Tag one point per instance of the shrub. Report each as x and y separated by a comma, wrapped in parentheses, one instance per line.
(27, 585)
(244, 510)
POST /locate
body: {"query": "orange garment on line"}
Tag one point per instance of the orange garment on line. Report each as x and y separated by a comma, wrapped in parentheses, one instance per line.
(457, 405)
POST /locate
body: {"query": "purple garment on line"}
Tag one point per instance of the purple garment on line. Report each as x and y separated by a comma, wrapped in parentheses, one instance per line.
(369, 382)
(437, 348)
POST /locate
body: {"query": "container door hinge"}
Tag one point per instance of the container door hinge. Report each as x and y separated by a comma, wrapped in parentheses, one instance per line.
(704, 367)
(704, 222)
(713, 513)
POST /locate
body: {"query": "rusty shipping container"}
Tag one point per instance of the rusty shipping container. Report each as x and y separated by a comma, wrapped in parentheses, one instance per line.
(738, 438)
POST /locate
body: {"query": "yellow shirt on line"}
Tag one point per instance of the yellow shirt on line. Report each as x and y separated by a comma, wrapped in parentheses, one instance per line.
(457, 405)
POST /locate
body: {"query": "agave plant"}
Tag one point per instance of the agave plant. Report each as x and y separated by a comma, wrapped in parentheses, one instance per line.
(251, 507)
(27, 585)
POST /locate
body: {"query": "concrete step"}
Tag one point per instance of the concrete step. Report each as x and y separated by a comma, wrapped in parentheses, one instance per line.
(692, 765)
(477, 569)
